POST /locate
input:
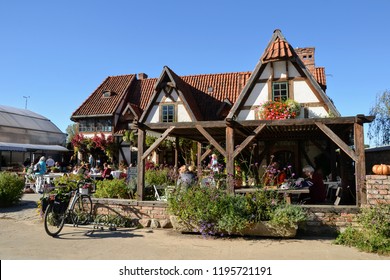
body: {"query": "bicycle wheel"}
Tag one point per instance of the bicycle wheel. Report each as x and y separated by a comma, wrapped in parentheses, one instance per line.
(82, 210)
(53, 220)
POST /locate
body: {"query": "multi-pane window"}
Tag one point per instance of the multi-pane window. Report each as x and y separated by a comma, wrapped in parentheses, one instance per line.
(168, 113)
(280, 91)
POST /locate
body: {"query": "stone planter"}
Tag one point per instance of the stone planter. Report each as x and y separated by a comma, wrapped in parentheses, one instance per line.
(264, 229)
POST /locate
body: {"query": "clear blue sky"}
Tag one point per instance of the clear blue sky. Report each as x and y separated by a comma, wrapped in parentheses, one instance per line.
(58, 52)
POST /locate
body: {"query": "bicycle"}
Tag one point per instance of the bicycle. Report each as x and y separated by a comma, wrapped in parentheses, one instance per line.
(75, 205)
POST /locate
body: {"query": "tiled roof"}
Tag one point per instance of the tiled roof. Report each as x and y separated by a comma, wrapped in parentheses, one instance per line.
(97, 104)
(142, 92)
(279, 49)
(211, 90)
(319, 75)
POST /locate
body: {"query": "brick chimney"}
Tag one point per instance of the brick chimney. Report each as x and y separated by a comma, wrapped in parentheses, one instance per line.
(142, 76)
(307, 57)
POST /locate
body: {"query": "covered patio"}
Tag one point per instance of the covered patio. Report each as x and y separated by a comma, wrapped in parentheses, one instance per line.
(340, 139)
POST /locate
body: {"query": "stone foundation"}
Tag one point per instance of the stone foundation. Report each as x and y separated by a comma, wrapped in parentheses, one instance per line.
(323, 220)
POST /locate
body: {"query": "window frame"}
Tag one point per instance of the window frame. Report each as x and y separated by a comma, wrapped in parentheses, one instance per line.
(281, 96)
(174, 113)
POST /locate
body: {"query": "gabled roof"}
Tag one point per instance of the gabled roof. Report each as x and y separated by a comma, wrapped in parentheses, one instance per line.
(278, 48)
(205, 95)
(98, 104)
(169, 77)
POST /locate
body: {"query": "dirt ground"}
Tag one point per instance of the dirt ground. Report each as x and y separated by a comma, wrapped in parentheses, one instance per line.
(22, 237)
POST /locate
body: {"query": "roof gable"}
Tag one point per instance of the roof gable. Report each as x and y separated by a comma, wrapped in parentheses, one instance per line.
(278, 49)
(99, 103)
(169, 79)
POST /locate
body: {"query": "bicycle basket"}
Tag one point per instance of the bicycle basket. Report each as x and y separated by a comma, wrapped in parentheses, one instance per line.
(60, 203)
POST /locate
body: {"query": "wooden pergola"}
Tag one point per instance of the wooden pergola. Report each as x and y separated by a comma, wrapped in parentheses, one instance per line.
(231, 137)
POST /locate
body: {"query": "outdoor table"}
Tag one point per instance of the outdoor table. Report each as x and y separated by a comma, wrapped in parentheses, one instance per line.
(50, 176)
(95, 175)
(286, 192)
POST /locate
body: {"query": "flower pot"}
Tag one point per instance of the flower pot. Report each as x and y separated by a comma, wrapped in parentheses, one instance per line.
(266, 229)
(182, 226)
(262, 228)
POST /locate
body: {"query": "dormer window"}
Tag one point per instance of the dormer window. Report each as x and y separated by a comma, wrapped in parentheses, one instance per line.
(107, 93)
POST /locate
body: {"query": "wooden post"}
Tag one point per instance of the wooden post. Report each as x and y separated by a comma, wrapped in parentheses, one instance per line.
(176, 154)
(230, 158)
(141, 164)
(360, 166)
(199, 160)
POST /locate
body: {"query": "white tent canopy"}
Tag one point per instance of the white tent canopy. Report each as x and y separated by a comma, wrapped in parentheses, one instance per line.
(17, 147)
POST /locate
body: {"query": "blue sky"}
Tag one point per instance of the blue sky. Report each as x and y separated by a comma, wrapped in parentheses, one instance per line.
(58, 52)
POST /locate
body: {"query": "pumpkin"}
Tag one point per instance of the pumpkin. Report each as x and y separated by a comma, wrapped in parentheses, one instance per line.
(381, 169)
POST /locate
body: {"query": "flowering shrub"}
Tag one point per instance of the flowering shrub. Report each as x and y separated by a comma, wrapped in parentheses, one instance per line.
(279, 110)
(212, 210)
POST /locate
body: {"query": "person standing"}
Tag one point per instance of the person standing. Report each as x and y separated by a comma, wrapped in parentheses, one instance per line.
(214, 163)
(40, 170)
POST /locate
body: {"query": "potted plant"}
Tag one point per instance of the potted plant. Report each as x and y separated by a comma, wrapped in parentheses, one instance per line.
(212, 211)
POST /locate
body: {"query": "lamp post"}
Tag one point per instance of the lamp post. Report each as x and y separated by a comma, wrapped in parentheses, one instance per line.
(26, 97)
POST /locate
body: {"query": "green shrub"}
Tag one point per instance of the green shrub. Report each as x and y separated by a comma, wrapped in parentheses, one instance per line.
(158, 177)
(11, 189)
(372, 233)
(115, 188)
(214, 210)
(288, 215)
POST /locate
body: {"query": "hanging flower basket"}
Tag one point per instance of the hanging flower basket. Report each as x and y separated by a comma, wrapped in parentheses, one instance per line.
(278, 110)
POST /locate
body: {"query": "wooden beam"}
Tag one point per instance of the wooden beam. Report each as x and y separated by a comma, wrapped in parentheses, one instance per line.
(157, 142)
(205, 154)
(360, 165)
(337, 140)
(141, 165)
(249, 139)
(211, 140)
(199, 160)
(230, 159)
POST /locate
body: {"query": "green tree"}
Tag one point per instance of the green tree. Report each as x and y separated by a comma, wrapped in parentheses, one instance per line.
(379, 128)
(71, 130)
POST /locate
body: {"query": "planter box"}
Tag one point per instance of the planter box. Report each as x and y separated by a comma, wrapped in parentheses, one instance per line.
(263, 228)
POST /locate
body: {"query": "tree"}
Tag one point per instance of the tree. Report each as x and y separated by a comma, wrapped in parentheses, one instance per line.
(379, 129)
(71, 130)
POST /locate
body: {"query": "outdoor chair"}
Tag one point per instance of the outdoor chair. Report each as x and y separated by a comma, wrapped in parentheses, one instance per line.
(339, 191)
(157, 194)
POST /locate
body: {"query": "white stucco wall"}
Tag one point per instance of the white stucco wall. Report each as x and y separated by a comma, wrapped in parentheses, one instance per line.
(303, 93)
(182, 114)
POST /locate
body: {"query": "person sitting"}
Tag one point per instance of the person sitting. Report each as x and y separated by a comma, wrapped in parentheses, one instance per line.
(317, 189)
(186, 177)
(106, 171)
(83, 170)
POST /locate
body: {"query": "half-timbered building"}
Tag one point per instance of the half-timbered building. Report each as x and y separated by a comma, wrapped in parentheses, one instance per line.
(222, 111)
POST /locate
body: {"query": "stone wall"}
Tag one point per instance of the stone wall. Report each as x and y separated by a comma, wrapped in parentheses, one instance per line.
(323, 220)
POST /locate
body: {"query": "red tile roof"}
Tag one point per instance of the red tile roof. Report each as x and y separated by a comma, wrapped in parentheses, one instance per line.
(319, 75)
(279, 49)
(97, 104)
(211, 90)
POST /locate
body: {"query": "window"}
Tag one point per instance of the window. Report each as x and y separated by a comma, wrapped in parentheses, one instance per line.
(168, 113)
(280, 91)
